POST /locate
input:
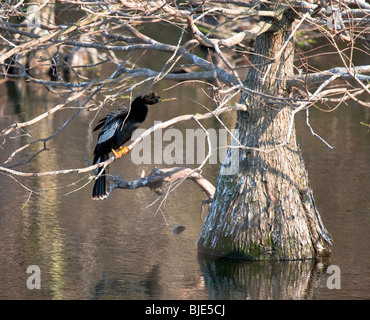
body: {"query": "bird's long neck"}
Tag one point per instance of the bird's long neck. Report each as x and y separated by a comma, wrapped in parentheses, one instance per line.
(139, 112)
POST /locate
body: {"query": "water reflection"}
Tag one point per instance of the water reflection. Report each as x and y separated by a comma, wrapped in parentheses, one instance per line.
(45, 237)
(121, 286)
(222, 280)
(227, 280)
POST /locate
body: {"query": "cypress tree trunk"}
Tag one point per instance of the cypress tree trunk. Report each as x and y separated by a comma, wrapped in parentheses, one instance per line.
(266, 210)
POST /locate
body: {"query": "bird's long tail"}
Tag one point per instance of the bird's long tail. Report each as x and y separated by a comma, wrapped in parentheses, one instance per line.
(100, 190)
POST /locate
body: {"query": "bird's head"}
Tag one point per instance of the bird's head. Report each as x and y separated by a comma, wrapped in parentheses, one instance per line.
(152, 98)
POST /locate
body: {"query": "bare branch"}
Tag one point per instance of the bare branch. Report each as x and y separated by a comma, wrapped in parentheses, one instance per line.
(32, 43)
(304, 106)
(14, 126)
(319, 77)
(157, 177)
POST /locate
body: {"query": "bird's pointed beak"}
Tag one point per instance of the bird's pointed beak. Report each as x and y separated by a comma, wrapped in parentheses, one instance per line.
(168, 99)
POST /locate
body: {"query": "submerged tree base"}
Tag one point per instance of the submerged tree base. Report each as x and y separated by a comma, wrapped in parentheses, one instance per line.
(257, 252)
(271, 217)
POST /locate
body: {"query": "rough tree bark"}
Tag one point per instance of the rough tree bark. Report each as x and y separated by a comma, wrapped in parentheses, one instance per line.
(266, 210)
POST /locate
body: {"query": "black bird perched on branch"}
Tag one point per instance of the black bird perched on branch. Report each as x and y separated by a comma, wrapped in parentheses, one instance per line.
(117, 128)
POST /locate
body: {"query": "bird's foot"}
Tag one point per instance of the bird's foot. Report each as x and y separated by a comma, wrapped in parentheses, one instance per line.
(121, 152)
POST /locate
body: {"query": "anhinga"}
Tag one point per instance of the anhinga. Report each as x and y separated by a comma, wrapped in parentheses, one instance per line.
(117, 128)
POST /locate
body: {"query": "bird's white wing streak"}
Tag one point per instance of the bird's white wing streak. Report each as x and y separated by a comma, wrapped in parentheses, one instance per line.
(108, 131)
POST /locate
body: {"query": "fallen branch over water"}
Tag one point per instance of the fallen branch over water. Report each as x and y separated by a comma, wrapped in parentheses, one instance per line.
(157, 177)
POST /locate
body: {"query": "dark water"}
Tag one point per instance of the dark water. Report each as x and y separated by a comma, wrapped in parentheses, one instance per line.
(122, 249)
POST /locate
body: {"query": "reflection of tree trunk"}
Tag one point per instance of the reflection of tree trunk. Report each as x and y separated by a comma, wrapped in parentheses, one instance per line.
(260, 280)
(266, 210)
(56, 60)
(38, 62)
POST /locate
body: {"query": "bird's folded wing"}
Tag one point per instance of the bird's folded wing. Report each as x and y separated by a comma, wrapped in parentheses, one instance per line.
(108, 131)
